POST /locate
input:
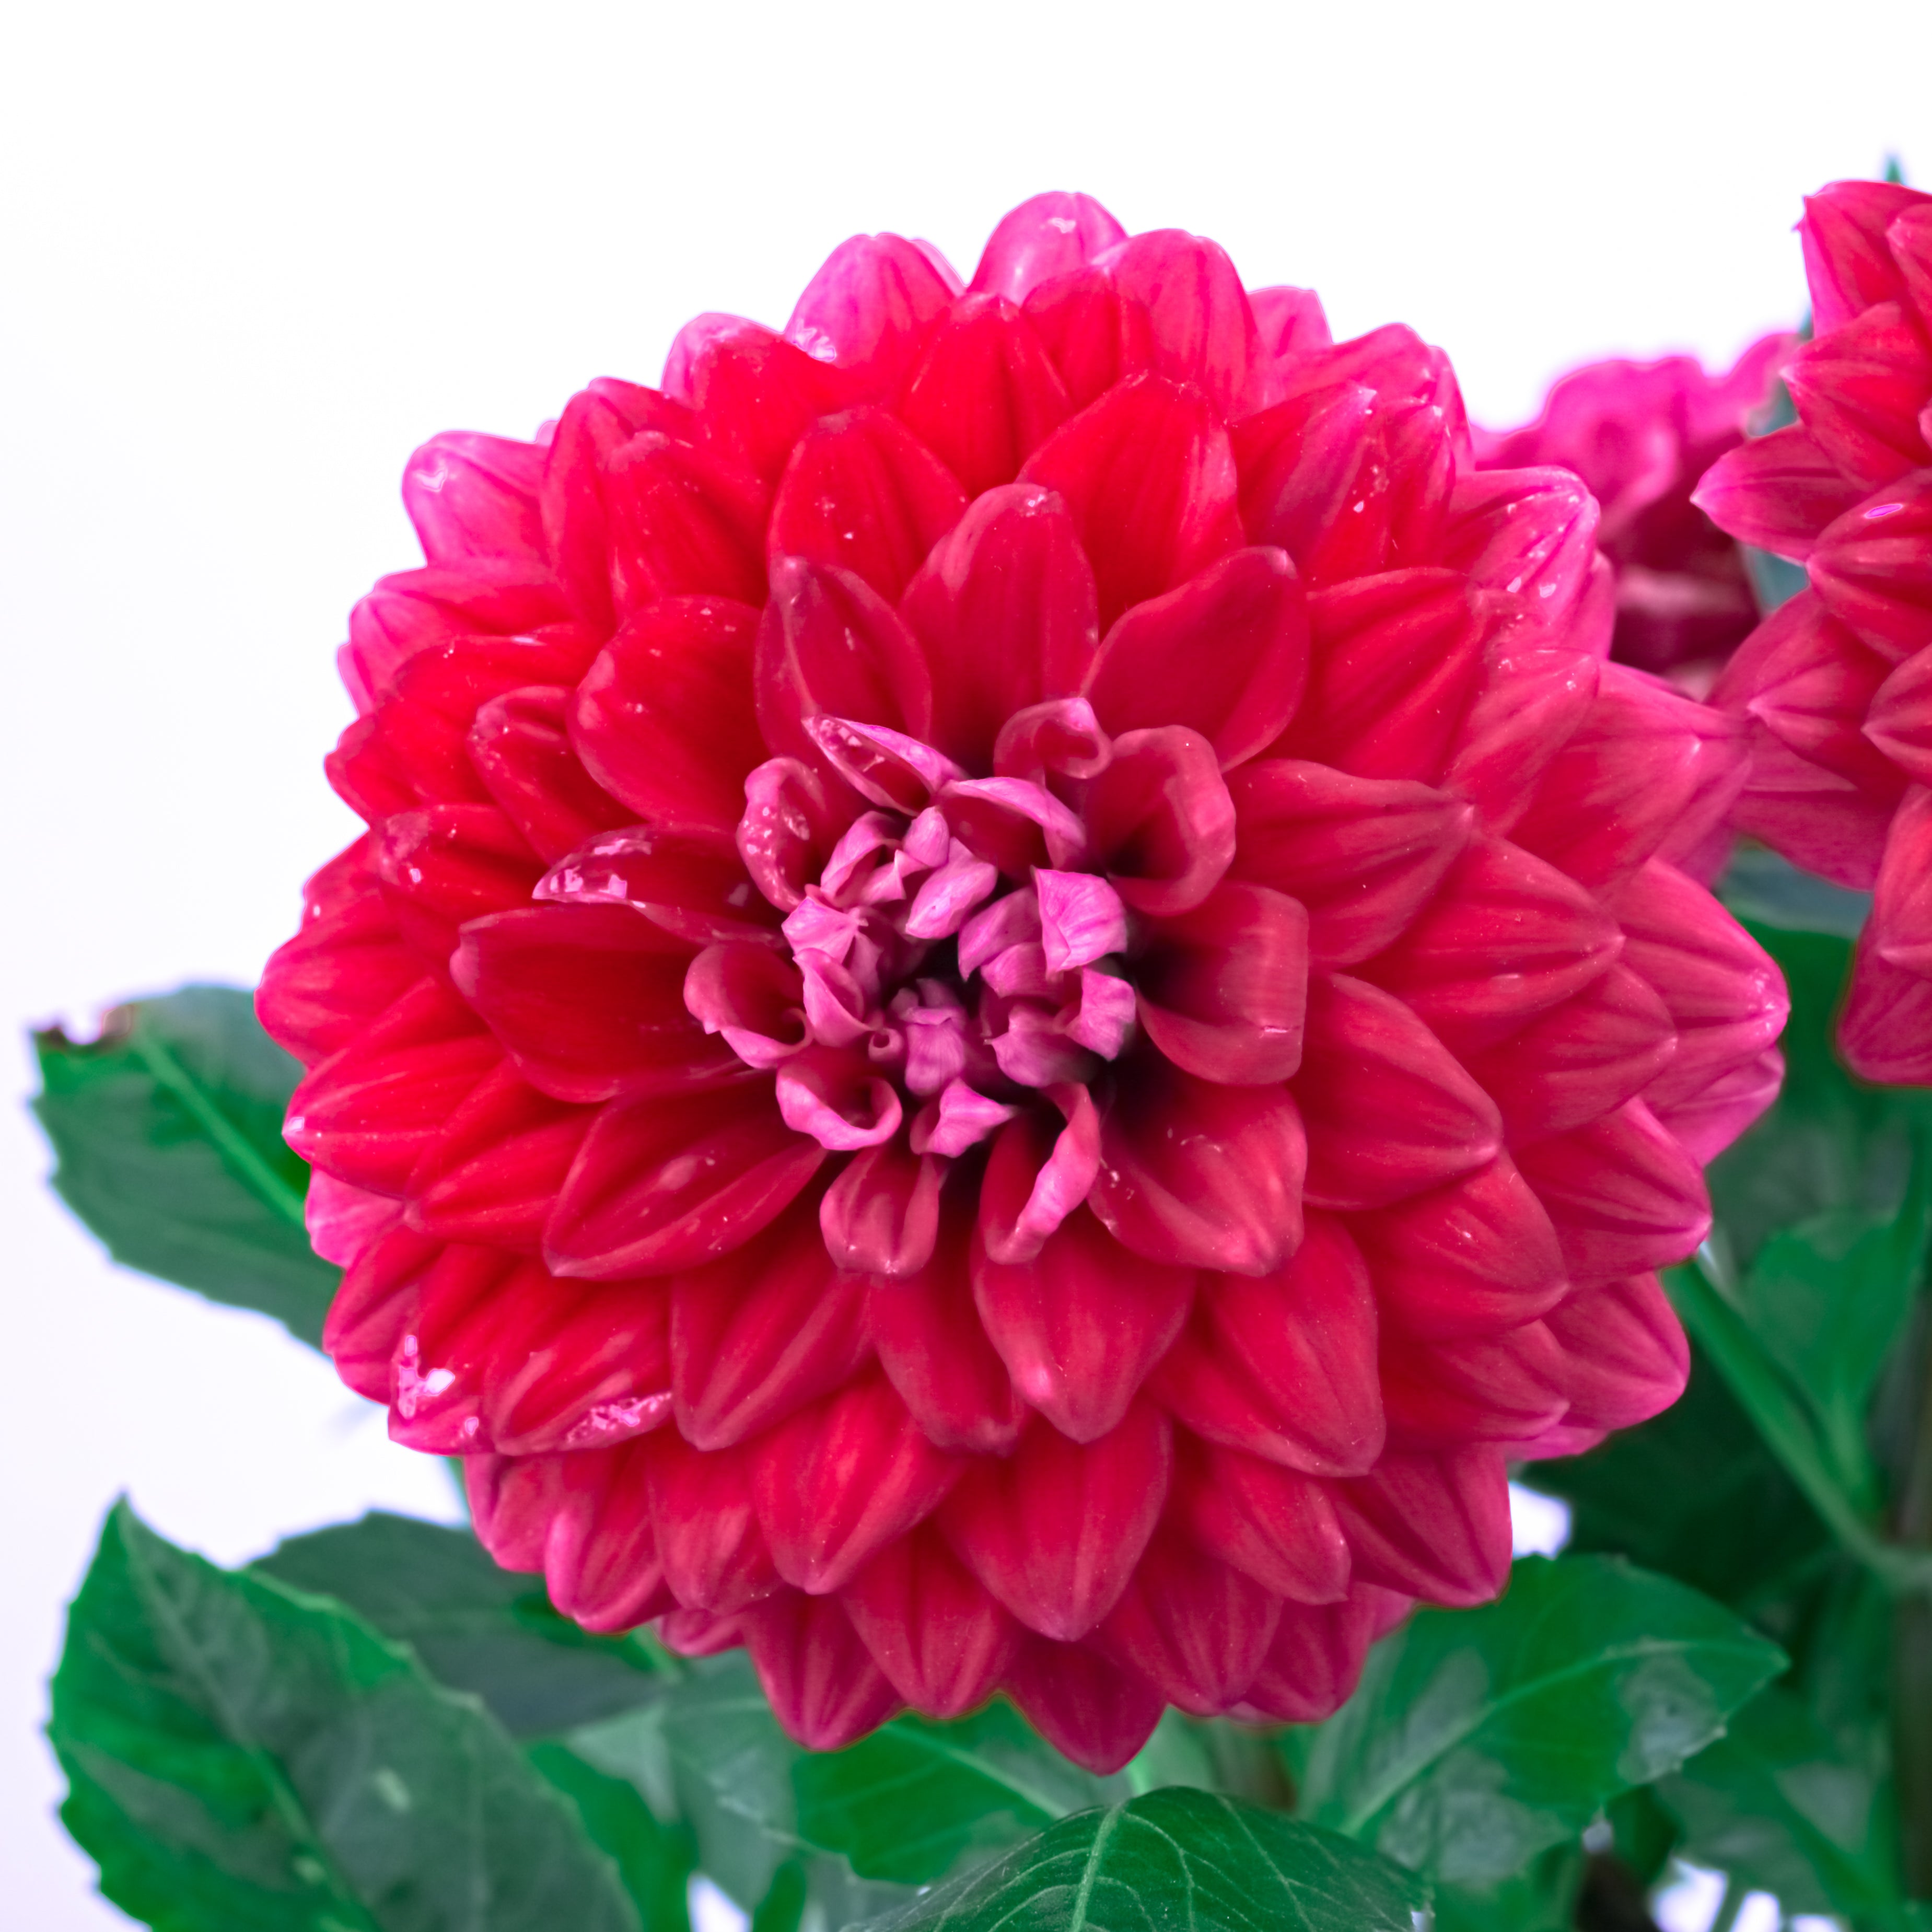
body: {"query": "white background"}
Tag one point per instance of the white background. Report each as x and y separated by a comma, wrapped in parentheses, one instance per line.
(252, 255)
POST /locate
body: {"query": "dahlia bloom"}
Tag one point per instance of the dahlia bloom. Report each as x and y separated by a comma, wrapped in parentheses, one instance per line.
(1835, 687)
(1016, 997)
(1641, 434)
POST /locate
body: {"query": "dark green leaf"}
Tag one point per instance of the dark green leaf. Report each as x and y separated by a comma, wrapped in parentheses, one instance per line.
(784, 1905)
(1642, 1834)
(168, 1134)
(1479, 1737)
(1696, 1495)
(1777, 1805)
(655, 1860)
(476, 1628)
(909, 1801)
(241, 1756)
(1173, 1861)
(1541, 1898)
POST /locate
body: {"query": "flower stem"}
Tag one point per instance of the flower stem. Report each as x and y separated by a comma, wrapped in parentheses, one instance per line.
(1912, 1647)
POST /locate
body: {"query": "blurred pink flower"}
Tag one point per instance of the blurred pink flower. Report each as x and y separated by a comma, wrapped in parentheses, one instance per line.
(1017, 998)
(1641, 434)
(1835, 687)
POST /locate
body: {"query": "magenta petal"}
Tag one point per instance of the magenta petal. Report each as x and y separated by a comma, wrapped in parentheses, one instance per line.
(1204, 330)
(1491, 1388)
(1432, 1525)
(664, 720)
(1468, 1259)
(1899, 722)
(683, 524)
(708, 1538)
(1390, 1112)
(1508, 938)
(1080, 1325)
(1858, 389)
(1846, 261)
(942, 1641)
(1080, 918)
(1317, 1655)
(1089, 1710)
(1149, 477)
(475, 496)
(881, 1215)
(1283, 1367)
(986, 394)
(1396, 662)
(1055, 1530)
(1043, 237)
(1591, 1054)
(862, 494)
(818, 1676)
(654, 1188)
(829, 644)
(1004, 610)
(868, 309)
(1624, 1196)
(761, 1332)
(1873, 567)
(1626, 1358)
(1161, 821)
(1276, 1524)
(600, 1558)
(1197, 1630)
(835, 1099)
(933, 1349)
(1226, 655)
(1885, 1031)
(1530, 532)
(1199, 1175)
(1901, 916)
(1362, 855)
(838, 1482)
(589, 1001)
(1776, 492)
(1036, 1176)
(1224, 988)
(1533, 700)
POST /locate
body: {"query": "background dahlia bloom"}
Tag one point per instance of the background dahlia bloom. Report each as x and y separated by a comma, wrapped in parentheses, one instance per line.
(1641, 434)
(1835, 687)
(1017, 997)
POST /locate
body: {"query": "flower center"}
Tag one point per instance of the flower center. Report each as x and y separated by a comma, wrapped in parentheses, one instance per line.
(952, 954)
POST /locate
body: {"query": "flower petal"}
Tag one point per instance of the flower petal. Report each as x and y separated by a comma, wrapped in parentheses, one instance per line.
(1045, 236)
(868, 309)
(1362, 856)
(600, 1558)
(682, 524)
(1004, 609)
(1276, 1524)
(1311, 1666)
(1147, 473)
(475, 496)
(588, 1001)
(861, 493)
(943, 1642)
(1204, 330)
(1468, 1259)
(664, 719)
(818, 1676)
(1195, 1629)
(1081, 1324)
(708, 1538)
(1089, 1710)
(1225, 655)
(1284, 1367)
(1390, 1112)
(1431, 1524)
(839, 1481)
(1201, 1176)
(655, 1189)
(1160, 819)
(1858, 389)
(1776, 492)
(881, 1216)
(1055, 1530)
(1623, 1195)
(1873, 567)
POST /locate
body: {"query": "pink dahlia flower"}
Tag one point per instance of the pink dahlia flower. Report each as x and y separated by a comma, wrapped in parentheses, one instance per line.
(1016, 997)
(1835, 687)
(1641, 434)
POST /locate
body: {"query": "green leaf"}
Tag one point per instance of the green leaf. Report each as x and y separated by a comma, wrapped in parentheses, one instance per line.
(1541, 1898)
(1479, 1737)
(654, 1860)
(1694, 1494)
(907, 1803)
(167, 1132)
(475, 1628)
(241, 1756)
(1175, 1858)
(1776, 1804)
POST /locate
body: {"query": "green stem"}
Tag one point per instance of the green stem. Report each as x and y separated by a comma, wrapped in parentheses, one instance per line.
(1912, 1649)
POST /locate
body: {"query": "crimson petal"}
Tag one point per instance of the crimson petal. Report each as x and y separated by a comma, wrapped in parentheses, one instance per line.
(1161, 821)
(1149, 477)
(1435, 1525)
(1048, 235)
(1225, 655)
(1276, 1525)
(1079, 1326)
(1284, 1367)
(1053, 1530)
(942, 1641)
(1198, 1175)
(664, 719)
(683, 524)
(708, 1538)
(1089, 1710)
(655, 1189)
